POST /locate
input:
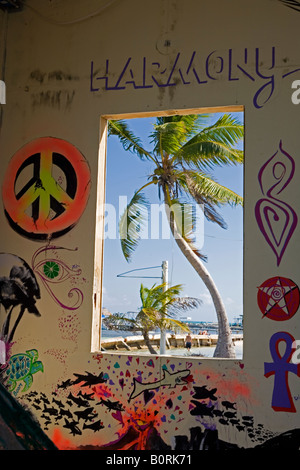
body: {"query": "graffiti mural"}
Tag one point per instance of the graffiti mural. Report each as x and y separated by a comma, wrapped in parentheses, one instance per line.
(276, 219)
(231, 65)
(278, 298)
(49, 202)
(280, 367)
(58, 389)
(53, 270)
(96, 405)
(18, 288)
(20, 368)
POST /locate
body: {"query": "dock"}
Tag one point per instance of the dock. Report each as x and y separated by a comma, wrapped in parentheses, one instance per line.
(135, 343)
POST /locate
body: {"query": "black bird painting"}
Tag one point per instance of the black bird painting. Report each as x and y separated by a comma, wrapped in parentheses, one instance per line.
(18, 287)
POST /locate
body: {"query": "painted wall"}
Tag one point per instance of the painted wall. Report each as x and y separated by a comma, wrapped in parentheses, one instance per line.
(61, 75)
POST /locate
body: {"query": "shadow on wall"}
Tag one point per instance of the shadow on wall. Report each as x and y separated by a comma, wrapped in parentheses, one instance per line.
(18, 429)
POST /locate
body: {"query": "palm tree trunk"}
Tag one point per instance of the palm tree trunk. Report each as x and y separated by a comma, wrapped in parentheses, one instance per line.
(145, 334)
(225, 347)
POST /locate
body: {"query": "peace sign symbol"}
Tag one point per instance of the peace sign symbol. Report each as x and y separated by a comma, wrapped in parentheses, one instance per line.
(46, 188)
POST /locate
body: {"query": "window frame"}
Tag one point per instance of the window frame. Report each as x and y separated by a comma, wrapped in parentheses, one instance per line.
(100, 205)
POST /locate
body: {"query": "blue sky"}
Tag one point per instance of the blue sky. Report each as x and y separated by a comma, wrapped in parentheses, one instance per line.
(224, 248)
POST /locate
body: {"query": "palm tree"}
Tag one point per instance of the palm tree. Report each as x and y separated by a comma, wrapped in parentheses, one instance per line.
(185, 148)
(160, 306)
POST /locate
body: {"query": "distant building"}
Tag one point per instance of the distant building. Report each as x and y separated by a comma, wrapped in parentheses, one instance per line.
(105, 313)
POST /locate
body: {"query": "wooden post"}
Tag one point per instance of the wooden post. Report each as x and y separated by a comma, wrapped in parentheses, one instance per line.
(163, 332)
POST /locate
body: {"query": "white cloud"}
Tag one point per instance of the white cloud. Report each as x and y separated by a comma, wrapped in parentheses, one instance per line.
(206, 299)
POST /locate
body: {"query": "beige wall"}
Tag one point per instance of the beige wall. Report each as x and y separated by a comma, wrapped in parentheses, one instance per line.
(47, 70)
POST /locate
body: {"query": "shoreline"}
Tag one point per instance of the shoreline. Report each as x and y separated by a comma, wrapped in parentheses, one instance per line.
(202, 345)
(205, 352)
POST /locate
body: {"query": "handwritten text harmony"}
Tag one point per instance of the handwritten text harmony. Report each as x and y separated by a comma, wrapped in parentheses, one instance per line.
(256, 66)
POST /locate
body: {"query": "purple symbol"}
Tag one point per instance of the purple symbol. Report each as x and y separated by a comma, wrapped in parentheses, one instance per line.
(281, 399)
(276, 219)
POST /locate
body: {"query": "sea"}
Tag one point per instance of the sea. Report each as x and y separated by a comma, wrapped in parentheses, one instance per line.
(203, 351)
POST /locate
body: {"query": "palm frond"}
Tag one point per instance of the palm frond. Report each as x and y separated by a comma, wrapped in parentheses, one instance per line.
(151, 313)
(151, 297)
(119, 321)
(214, 145)
(167, 294)
(192, 122)
(163, 298)
(170, 132)
(167, 137)
(162, 322)
(182, 304)
(158, 295)
(131, 222)
(172, 323)
(127, 139)
(203, 189)
(202, 155)
(209, 194)
(228, 129)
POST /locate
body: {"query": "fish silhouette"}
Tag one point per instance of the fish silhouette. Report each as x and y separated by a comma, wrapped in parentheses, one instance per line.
(229, 414)
(86, 415)
(111, 405)
(73, 426)
(89, 379)
(86, 396)
(65, 384)
(58, 403)
(203, 392)
(78, 400)
(52, 411)
(229, 405)
(65, 413)
(94, 426)
(201, 409)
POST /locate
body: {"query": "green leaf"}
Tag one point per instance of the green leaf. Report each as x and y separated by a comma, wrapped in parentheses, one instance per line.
(128, 140)
(170, 132)
(203, 188)
(131, 222)
(214, 145)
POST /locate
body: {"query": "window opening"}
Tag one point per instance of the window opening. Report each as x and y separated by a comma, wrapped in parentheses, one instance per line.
(172, 194)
